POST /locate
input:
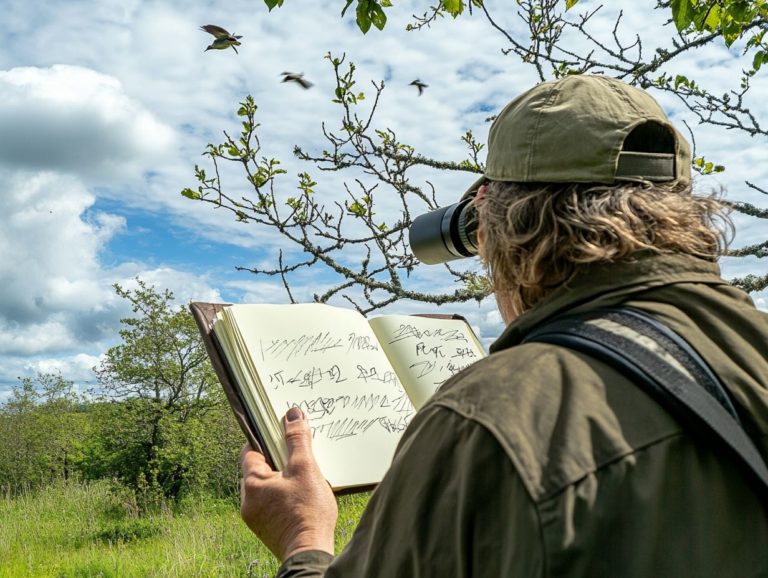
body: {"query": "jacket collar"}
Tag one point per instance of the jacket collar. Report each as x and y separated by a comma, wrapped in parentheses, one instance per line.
(606, 284)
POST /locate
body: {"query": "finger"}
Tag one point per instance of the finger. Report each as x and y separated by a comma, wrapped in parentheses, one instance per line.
(254, 463)
(298, 438)
(246, 448)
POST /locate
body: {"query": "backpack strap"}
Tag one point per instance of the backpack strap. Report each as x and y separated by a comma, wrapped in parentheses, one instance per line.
(666, 367)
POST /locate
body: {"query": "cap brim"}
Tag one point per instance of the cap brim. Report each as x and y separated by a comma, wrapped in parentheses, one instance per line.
(472, 191)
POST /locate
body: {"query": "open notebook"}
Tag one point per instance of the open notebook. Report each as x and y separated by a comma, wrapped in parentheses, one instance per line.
(358, 380)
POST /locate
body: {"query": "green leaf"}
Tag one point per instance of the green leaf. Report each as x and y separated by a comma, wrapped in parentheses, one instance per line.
(740, 11)
(570, 4)
(682, 14)
(713, 19)
(759, 59)
(386, 3)
(272, 3)
(190, 194)
(258, 179)
(453, 7)
(378, 17)
(731, 31)
(680, 79)
(344, 10)
(357, 209)
(363, 16)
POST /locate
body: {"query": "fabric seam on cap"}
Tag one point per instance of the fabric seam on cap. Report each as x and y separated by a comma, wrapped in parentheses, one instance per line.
(626, 100)
(529, 161)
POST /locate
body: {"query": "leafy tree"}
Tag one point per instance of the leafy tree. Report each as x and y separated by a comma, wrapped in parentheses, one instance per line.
(361, 239)
(154, 453)
(158, 385)
(161, 358)
(43, 427)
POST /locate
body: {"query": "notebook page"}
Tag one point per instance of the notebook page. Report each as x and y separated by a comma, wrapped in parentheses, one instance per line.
(326, 360)
(425, 351)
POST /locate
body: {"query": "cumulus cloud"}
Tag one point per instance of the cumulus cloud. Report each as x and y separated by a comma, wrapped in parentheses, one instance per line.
(76, 368)
(65, 130)
(50, 251)
(184, 285)
(57, 294)
(75, 120)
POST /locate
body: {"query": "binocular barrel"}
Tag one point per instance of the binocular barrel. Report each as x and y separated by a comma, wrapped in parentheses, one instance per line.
(445, 234)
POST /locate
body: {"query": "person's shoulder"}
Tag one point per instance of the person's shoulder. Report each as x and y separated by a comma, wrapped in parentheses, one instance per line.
(558, 414)
(512, 375)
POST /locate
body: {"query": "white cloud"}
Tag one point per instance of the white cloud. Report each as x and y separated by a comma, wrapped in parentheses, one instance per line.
(65, 129)
(50, 252)
(185, 286)
(75, 120)
(76, 368)
(33, 338)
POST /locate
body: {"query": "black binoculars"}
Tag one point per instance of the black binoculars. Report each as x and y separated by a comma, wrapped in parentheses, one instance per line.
(445, 234)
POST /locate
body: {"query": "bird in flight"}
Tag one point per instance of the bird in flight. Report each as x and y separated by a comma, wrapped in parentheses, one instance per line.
(297, 77)
(420, 85)
(223, 38)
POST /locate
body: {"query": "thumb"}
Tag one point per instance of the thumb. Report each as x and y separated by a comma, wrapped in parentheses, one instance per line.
(298, 438)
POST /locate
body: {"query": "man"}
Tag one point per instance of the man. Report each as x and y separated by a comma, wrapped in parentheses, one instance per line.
(538, 460)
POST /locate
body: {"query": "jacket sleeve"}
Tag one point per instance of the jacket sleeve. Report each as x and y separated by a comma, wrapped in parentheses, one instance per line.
(308, 564)
(451, 505)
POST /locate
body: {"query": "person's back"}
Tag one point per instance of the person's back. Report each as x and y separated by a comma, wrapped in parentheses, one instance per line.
(613, 484)
(542, 461)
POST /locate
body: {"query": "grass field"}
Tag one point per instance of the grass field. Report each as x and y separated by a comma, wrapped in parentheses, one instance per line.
(96, 530)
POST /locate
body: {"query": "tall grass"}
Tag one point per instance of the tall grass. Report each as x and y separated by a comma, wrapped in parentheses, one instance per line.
(99, 530)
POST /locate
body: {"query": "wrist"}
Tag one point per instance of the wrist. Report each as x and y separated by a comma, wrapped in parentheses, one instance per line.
(310, 540)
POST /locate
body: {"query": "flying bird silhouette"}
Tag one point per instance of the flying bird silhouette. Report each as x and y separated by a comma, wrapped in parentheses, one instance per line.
(420, 85)
(297, 77)
(223, 38)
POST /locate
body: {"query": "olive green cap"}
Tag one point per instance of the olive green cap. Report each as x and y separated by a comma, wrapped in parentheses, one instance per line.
(574, 130)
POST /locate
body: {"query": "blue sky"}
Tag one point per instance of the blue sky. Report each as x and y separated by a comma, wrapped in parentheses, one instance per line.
(106, 106)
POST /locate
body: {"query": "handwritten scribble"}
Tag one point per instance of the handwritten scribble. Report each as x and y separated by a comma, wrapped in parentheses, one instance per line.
(361, 343)
(455, 368)
(463, 352)
(319, 407)
(407, 331)
(347, 427)
(343, 428)
(372, 374)
(435, 351)
(301, 346)
(395, 425)
(306, 377)
(423, 367)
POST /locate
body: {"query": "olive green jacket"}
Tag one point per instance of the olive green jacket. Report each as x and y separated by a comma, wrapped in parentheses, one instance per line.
(541, 461)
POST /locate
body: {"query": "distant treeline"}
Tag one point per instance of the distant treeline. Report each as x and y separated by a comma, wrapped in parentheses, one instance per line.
(49, 433)
(158, 423)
